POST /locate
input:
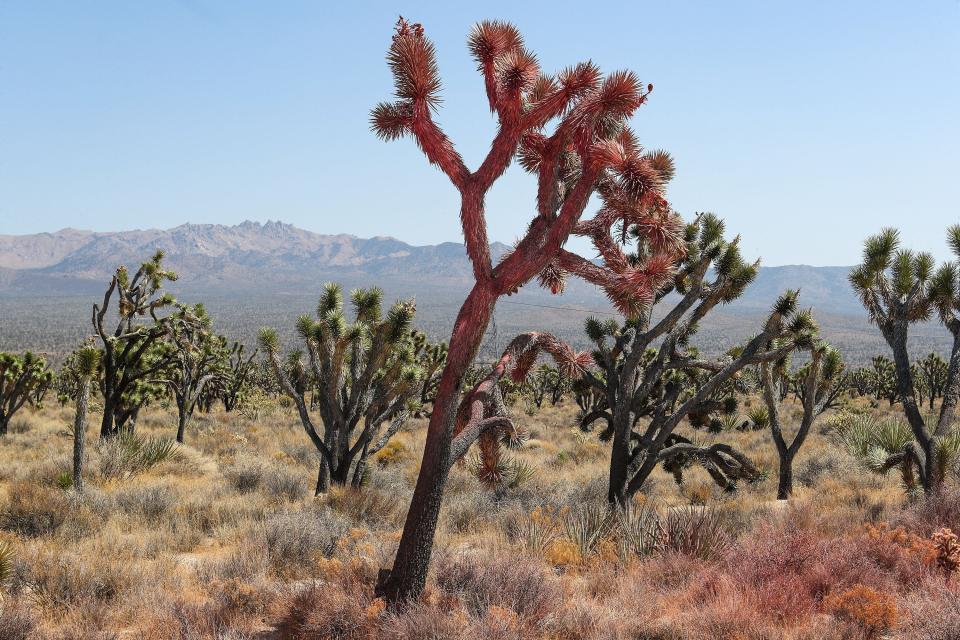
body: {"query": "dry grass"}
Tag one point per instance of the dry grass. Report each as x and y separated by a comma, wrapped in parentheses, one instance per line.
(224, 540)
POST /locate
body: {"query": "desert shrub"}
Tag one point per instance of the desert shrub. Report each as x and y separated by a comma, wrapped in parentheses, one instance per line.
(369, 506)
(695, 531)
(190, 620)
(245, 475)
(319, 613)
(7, 558)
(393, 452)
(425, 622)
(34, 510)
(342, 608)
(947, 551)
(276, 481)
(16, 622)
(295, 538)
(873, 611)
(899, 552)
(940, 510)
(68, 580)
(281, 483)
(828, 463)
(932, 613)
(129, 454)
(467, 512)
(150, 502)
(513, 582)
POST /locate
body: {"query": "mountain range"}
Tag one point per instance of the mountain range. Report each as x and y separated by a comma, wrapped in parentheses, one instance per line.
(286, 258)
(252, 274)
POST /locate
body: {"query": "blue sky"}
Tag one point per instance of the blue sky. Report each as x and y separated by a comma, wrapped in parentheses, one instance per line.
(806, 125)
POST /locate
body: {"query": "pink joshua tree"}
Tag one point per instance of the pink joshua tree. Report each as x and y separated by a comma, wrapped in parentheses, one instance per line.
(591, 150)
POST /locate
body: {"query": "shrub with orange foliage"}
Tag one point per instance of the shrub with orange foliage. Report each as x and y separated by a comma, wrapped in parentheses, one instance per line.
(905, 554)
(873, 611)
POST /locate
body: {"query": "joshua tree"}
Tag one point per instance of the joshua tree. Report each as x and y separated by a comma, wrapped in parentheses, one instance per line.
(883, 374)
(590, 151)
(898, 288)
(78, 373)
(134, 351)
(546, 382)
(641, 380)
(818, 384)
(23, 380)
(365, 376)
(236, 377)
(199, 359)
(431, 358)
(930, 377)
(538, 382)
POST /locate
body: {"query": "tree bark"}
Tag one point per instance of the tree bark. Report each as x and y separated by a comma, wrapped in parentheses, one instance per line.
(181, 424)
(406, 580)
(4, 425)
(323, 479)
(80, 435)
(785, 484)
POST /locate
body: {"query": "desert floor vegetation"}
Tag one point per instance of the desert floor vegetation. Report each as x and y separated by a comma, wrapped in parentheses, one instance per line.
(223, 538)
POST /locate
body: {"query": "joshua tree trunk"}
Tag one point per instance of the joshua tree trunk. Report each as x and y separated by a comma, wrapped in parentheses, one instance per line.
(323, 479)
(4, 425)
(785, 485)
(182, 418)
(409, 573)
(80, 434)
(361, 468)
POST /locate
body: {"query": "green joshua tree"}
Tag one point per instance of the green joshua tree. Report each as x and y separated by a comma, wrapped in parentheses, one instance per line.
(818, 384)
(77, 375)
(237, 376)
(135, 349)
(930, 378)
(884, 379)
(431, 358)
(647, 364)
(199, 360)
(899, 287)
(24, 379)
(365, 375)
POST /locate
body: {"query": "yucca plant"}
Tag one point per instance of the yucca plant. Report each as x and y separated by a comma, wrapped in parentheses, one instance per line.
(363, 373)
(129, 454)
(898, 288)
(759, 417)
(587, 525)
(639, 531)
(881, 445)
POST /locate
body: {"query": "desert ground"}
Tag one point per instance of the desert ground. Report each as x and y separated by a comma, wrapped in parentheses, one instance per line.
(223, 538)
